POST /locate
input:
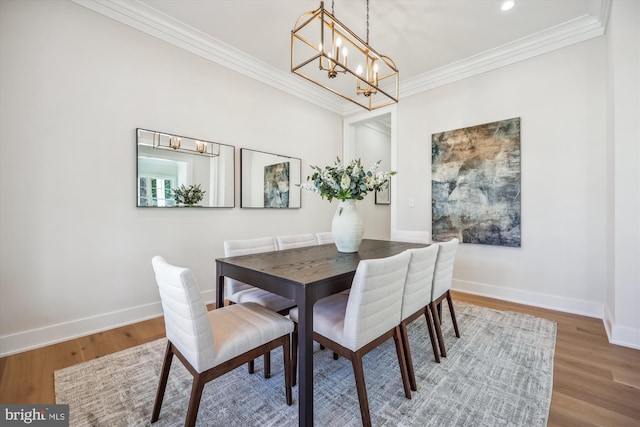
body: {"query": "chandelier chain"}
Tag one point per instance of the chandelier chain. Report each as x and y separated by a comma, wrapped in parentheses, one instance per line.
(367, 21)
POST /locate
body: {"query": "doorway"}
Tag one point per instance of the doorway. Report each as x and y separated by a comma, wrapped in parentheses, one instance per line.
(371, 137)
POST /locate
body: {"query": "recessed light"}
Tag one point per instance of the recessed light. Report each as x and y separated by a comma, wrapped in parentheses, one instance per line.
(507, 5)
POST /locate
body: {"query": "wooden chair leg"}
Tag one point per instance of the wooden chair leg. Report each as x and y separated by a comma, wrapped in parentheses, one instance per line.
(358, 373)
(164, 376)
(407, 355)
(194, 400)
(436, 325)
(286, 351)
(336, 356)
(267, 364)
(402, 362)
(453, 314)
(432, 335)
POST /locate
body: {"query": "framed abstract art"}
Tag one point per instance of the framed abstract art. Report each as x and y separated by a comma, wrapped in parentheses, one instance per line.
(475, 184)
(269, 180)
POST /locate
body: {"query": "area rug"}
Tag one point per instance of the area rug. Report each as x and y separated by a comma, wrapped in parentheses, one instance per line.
(499, 373)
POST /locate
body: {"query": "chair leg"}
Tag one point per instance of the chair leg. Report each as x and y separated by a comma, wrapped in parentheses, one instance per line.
(336, 356)
(294, 354)
(358, 373)
(164, 376)
(407, 355)
(251, 367)
(453, 314)
(436, 325)
(286, 351)
(194, 400)
(402, 362)
(267, 364)
(432, 335)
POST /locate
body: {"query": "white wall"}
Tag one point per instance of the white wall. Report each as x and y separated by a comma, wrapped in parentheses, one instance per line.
(74, 86)
(560, 98)
(622, 311)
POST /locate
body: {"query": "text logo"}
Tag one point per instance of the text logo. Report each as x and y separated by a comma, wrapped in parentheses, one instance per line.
(34, 415)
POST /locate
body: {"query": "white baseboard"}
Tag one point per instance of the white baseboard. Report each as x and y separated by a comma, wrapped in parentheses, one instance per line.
(552, 302)
(620, 335)
(41, 337)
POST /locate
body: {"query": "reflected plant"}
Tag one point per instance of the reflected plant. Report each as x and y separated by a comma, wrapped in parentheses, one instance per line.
(188, 196)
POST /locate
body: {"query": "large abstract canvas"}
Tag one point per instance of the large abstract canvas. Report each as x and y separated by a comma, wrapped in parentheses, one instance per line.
(475, 182)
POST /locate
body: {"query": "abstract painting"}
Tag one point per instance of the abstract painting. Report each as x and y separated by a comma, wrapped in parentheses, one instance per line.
(276, 185)
(475, 184)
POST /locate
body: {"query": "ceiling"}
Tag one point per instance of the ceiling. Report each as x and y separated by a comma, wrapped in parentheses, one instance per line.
(432, 42)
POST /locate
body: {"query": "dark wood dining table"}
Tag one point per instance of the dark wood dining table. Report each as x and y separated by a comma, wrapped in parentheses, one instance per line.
(304, 275)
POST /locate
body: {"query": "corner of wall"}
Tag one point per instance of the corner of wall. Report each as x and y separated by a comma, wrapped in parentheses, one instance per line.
(620, 335)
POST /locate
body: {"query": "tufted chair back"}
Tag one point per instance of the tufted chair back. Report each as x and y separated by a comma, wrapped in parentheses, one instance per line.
(375, 301)
(443, 273)
(417, 288)
(185, 314)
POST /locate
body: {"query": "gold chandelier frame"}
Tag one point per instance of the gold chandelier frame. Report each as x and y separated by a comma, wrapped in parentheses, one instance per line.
(374, 82)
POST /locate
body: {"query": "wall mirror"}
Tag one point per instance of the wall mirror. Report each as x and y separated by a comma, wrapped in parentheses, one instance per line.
(269, 180)
(166, 162)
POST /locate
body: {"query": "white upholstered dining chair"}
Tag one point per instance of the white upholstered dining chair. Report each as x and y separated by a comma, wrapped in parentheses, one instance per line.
(296, 241)
(239, 292)
(416, 300)
(352, 325)
(324, 237)
(212, 343)
(442, 277)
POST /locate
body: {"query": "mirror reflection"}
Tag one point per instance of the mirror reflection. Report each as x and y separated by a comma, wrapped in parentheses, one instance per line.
(177, 171)
(269, 180)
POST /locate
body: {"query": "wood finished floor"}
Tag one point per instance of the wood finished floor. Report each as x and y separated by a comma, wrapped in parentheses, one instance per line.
(595, 383)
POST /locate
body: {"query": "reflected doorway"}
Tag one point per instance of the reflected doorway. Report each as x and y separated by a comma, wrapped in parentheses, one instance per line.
(371, 138)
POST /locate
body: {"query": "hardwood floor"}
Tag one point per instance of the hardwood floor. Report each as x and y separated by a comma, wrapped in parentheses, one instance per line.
(595, 383)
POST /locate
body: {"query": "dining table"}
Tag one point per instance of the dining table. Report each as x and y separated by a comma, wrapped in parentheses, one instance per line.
(304, 275)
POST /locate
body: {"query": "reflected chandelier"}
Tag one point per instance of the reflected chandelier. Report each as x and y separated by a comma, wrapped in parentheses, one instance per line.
(164, 141)
(328, 52)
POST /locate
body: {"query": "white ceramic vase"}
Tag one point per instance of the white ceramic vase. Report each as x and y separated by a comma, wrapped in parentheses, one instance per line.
(347, 227)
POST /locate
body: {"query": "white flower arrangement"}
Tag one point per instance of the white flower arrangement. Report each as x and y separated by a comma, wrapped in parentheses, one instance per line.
(345, 182)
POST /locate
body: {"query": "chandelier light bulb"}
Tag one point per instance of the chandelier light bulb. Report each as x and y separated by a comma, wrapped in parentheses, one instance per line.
(507, 5)
(359, 70)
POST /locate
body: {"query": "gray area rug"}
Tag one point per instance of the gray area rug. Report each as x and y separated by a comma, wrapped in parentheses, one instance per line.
(499, 373)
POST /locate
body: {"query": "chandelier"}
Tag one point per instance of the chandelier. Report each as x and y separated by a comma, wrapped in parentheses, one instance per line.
(325, 52)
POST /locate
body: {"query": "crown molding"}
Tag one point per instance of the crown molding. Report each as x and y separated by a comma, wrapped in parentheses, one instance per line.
(170, 30)
(563, 35)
